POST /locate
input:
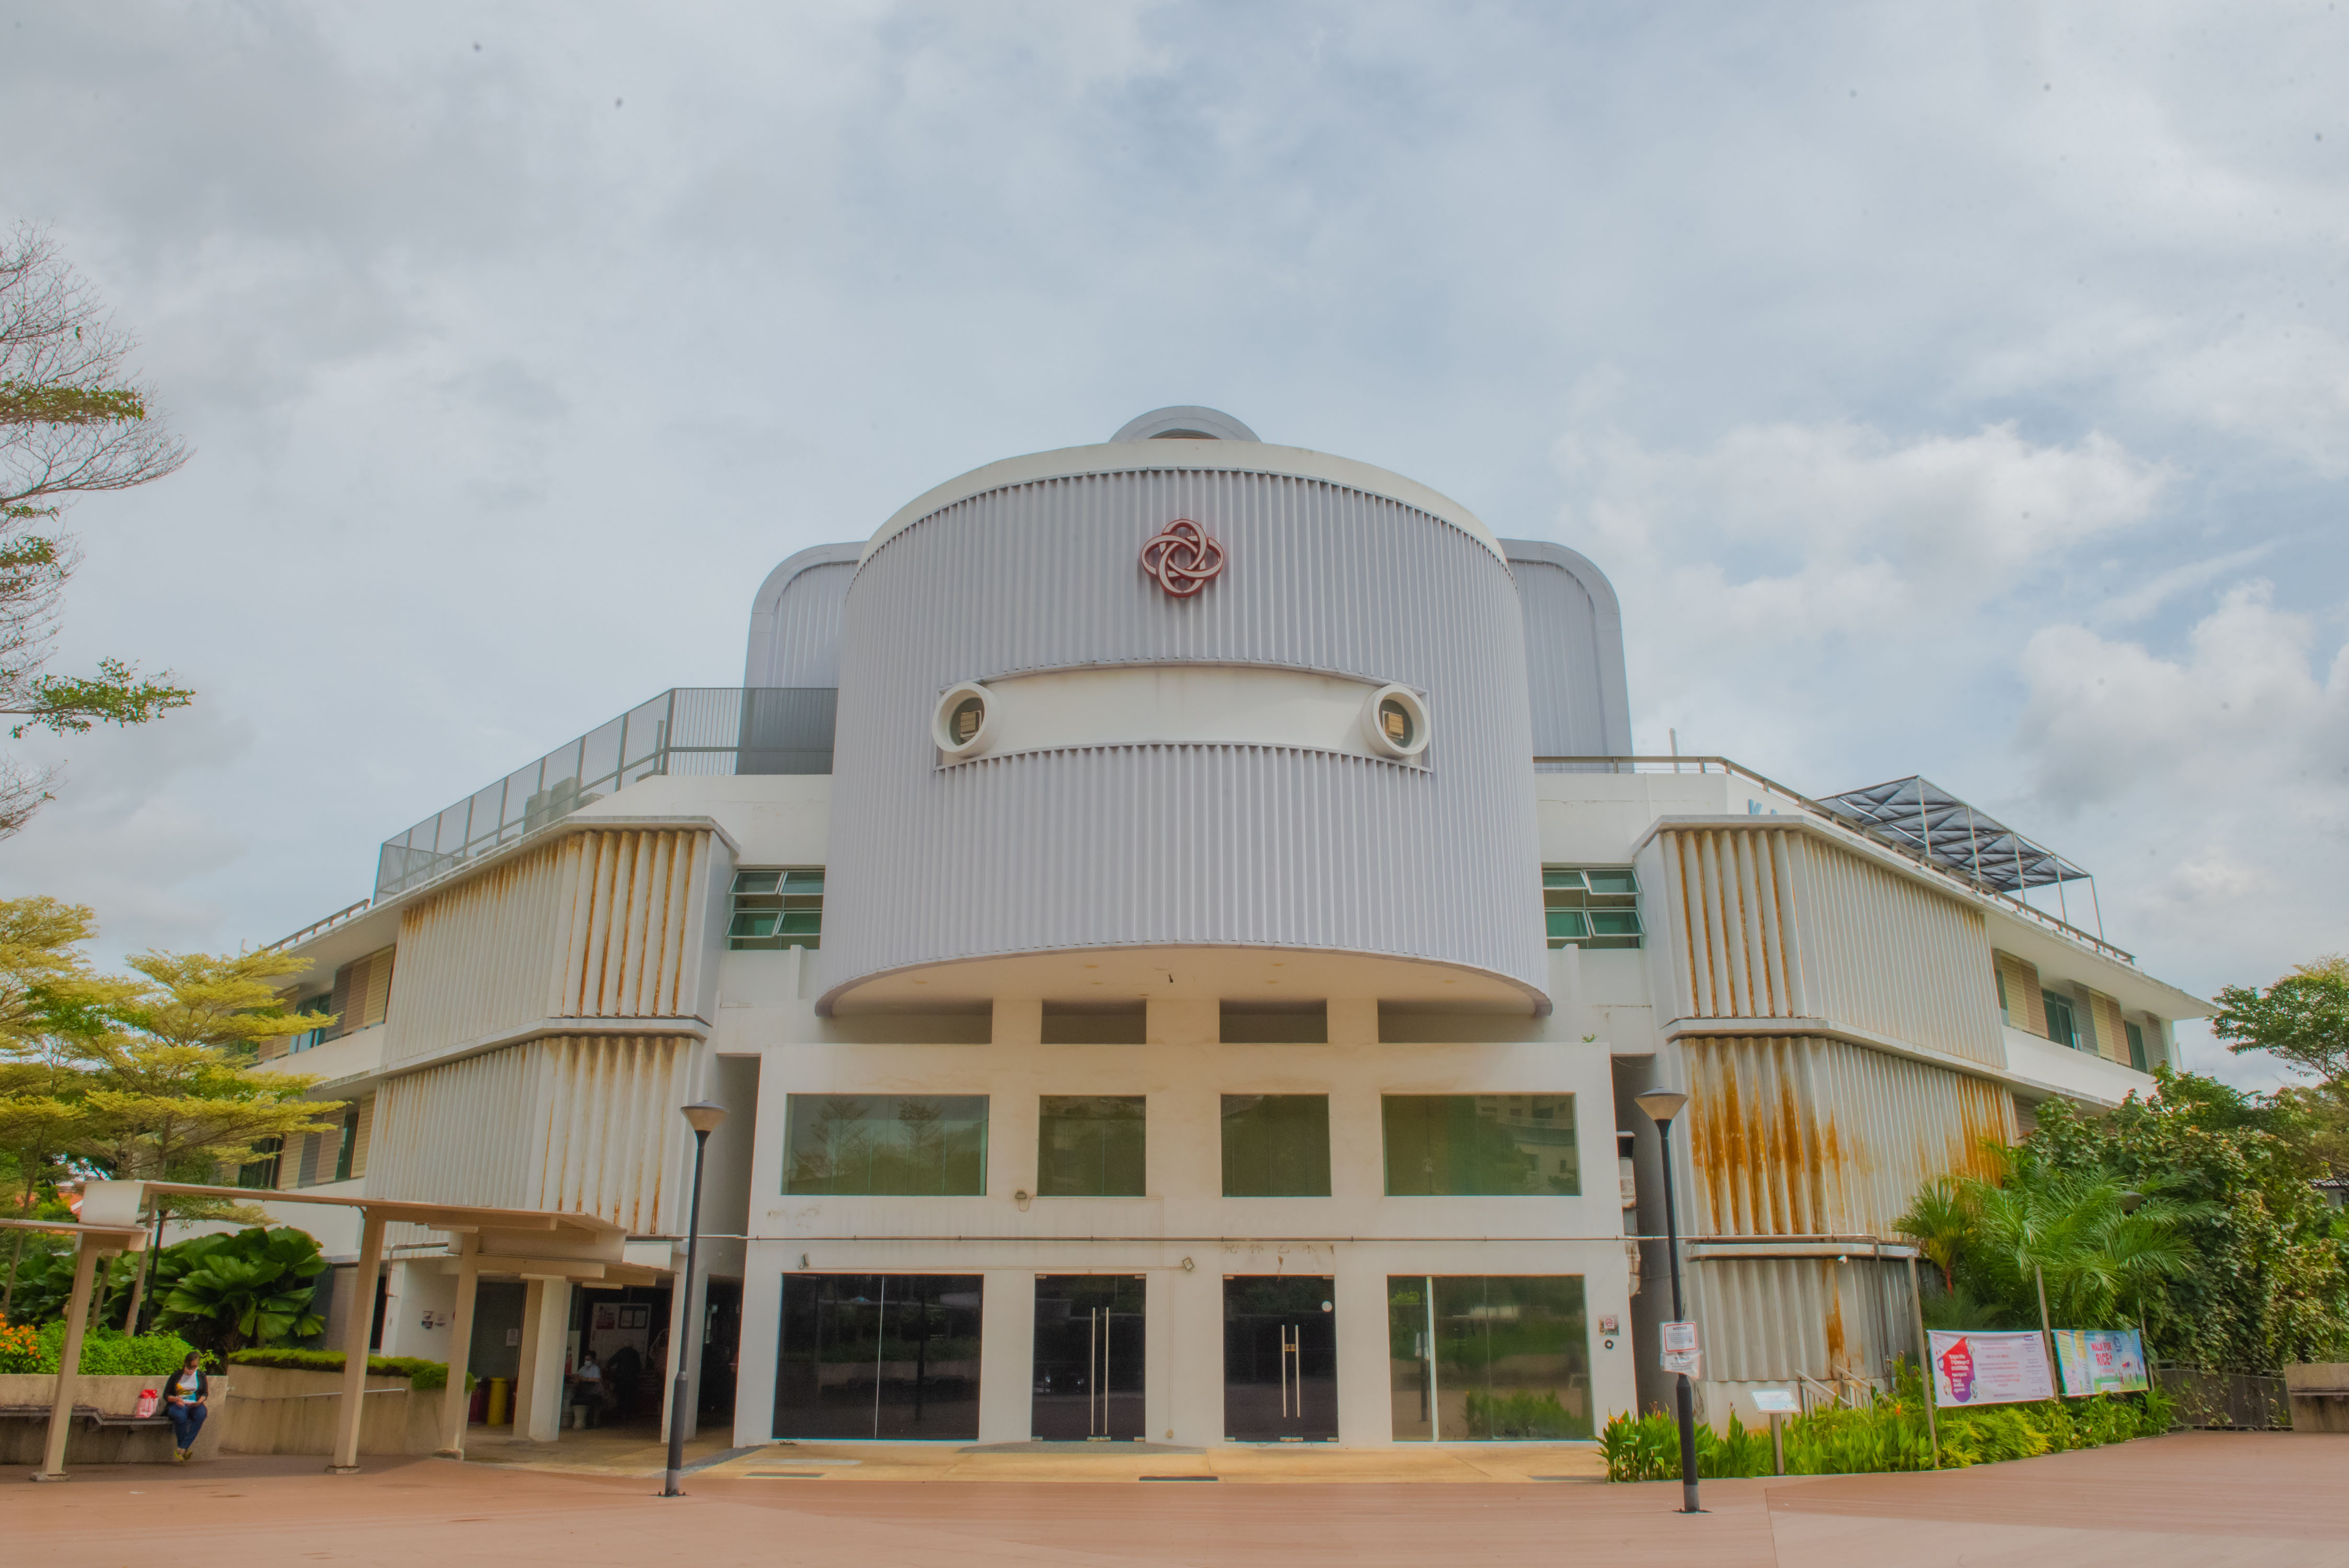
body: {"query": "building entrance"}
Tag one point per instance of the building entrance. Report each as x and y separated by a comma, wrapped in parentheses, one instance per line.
(1088, 1343)
(1280, 1358)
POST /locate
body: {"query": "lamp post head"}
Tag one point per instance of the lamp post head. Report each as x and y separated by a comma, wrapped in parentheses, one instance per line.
(2131, 1202)
(1661, 1104)
(703, 1117)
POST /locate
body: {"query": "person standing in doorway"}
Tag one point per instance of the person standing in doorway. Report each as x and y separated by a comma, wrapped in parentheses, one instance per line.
(184, 1403)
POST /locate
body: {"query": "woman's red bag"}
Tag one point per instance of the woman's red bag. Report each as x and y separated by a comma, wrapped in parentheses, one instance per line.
(148, 1400)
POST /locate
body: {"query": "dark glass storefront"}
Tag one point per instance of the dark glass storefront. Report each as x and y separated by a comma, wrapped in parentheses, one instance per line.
(1488, 1358)
(1088, 1369)
(1280, 1358)
(878, 1355)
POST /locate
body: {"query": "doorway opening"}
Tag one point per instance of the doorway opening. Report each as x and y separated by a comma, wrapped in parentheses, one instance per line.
(1280, 1358)
(1088, 1371)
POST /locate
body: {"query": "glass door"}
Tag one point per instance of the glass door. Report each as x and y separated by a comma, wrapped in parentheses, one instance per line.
(1088, 1374)
(1280, 1358)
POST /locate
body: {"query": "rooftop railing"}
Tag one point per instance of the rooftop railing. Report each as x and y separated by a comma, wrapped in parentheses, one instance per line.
(687, 730)
(1841, 823)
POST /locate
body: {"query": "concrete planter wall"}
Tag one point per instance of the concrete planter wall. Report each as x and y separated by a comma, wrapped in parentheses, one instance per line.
(22, 1440)
(2319, 1391)
(288, 1410)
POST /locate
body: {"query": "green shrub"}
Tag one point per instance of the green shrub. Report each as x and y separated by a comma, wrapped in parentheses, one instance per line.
(1888, 1433)
(1648, 1447)
(421, 1374)
(105, 1352)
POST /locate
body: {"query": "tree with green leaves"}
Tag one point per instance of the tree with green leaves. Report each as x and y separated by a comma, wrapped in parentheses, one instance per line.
(176, 1091)
(72, 422)
(2249, 1270)
(2302, 1019)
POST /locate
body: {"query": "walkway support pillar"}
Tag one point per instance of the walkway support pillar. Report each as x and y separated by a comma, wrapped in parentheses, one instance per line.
(455, 1401)
(357, 1332)
(53, 1460)
(545, 1341)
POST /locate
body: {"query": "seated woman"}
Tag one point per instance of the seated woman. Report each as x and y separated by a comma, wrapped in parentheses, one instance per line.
(183, 1402)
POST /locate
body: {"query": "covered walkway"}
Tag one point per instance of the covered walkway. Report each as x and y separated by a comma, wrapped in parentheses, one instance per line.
(550, 1251)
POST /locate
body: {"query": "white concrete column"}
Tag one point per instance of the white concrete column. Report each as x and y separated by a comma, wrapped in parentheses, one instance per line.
(762, 1310)
(526, 1363)
(53, 1459)
(544, 1343)
(1019, 1021)
(1365, 1398)
(1353, 1021)
(455, 1402)
(355, 1333)
(1183, 1021)
(1006, 1349)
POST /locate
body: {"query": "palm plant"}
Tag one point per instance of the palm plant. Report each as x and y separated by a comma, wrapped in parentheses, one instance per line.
(253, 1286)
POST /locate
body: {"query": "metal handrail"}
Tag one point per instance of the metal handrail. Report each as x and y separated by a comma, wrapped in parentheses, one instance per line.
(316, 926)
(1844, 825)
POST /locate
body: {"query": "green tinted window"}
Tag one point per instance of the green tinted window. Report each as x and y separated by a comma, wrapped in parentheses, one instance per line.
(1591, 906)
(1276, 1146)
(1488, 1359)
(1481, 1145)
(2136, 1045)
(1090, 1145)
(930, 1145)
(777, 909)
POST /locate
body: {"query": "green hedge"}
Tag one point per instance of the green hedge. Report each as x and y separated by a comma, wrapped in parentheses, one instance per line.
(421, 1374)
(1889, 1433)
(105, 1352)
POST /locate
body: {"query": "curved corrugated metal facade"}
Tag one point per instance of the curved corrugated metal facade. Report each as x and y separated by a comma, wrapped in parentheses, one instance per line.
(1145, 845)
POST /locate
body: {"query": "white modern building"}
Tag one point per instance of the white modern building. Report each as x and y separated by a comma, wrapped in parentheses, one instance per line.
(1176, 926)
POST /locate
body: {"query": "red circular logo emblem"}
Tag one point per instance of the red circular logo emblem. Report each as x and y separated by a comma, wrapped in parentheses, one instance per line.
(1183, 559)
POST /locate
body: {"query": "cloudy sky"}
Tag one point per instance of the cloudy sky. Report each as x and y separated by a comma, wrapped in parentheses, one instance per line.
(1949, 388)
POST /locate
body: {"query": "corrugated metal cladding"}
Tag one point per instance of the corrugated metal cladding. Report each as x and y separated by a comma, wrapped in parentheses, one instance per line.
(1772, 924)
(583, 1124)
(796, 619)
(1573, 652)
(600, 923)
(1771, 1320)
(1791, 1135)
(1190, 844)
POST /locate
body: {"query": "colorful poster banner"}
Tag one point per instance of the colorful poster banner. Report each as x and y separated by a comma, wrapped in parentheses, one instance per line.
(2100, 1360)
(1977, 1368)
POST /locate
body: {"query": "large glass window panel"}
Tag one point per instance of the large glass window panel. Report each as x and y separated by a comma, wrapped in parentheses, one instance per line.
(888, 1144)
(1496, 1359)
(878, 1355)
(1276, 1146)
(1091, 1146)
(1481, 1145)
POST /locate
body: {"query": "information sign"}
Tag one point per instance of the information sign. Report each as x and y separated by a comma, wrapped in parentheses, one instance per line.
(2100, 1360)
(1681, 1353)
(1979, 1368)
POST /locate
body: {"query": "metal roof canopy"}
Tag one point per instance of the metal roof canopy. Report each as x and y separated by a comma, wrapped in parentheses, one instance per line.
(1931, 822)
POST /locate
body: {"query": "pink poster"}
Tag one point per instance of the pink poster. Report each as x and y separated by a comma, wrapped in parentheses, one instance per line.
(1986, 1368)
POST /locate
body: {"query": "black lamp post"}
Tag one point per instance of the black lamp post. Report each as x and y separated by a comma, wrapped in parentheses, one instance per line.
(1661, 1105)
(703, 1117)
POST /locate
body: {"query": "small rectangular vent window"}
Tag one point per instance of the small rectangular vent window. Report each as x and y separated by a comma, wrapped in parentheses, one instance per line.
(777, 909)
(1591, 906)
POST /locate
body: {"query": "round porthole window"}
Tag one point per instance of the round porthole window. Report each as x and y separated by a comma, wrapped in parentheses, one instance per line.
(1395, 722)
(960, 725)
